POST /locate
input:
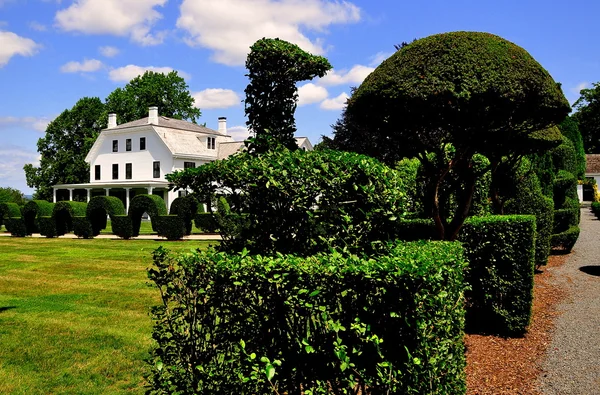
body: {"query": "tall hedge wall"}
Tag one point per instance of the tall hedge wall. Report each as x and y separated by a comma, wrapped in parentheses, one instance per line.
(151, 204)
(329, 323)
(99, 207)
(34, 209)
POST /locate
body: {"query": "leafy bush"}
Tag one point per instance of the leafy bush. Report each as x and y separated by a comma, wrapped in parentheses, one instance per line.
(82, 227)
(47, 226)
(330, 323)
(16, 226)
(565, 186)
(186, 207)
(34, 209)
(596, 209)
(8, 210)
(151, 204)
(99, 208)
(301, 202)
(122, 226)
(565, 218)
(564, 157)
(500, 252)
(63, 214)
(172, 227)
(566, 240)
(206, 222)
(570, 130)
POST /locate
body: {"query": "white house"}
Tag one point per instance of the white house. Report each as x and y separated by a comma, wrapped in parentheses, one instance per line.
(133, 158)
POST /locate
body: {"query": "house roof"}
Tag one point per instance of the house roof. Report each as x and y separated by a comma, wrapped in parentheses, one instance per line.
(229, 148)
(183, 143)
(170, 123)
(592, 164)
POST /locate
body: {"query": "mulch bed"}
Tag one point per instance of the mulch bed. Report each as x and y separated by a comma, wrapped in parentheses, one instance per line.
(498, 366)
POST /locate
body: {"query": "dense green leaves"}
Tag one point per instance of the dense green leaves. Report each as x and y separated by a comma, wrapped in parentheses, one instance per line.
(12, 195)
(151, 204)
(99, 208)
(588, 118)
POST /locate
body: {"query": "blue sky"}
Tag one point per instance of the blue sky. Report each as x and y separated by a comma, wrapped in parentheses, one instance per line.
(53, 52)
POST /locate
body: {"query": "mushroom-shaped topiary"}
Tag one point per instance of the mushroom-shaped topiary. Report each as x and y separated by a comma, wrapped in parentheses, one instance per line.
(475, 91)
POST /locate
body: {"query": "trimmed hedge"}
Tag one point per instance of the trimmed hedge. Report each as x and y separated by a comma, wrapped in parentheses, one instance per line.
(565, 186)
(151, 204)
(186, 208)
(34, 209)
(16, 226)
(82, 227)
(121, 226)
(206, 222)
(566, 240)
(47, 226)
(63, 214)
(329, 323)
(565, 218)
(99, 207)
(8, 210)
(596, 209)
(172, 227)
(500, 251)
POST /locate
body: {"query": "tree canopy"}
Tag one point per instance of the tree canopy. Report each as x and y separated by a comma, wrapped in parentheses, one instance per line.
(12, 195)
(588, 118)
(274, 67)
(474, 92)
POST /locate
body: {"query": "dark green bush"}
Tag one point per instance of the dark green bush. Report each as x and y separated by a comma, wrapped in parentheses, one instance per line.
(63, 214)
(500, 252)
(172, 227)
(8, 210)
(99, 208)
(151, 204)
(565, 218)
(16, 226)
(47, 226)
(34, 209)
(330, 323)
(122, 226)
(82, 227)
(566, 240)
(570, 130)
(564, 157)
(565, 186)
(206, 222)
(186, 207)
(596, 209)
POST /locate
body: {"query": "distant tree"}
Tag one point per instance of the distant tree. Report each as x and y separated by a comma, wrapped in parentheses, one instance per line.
(588, 118)
(12, 195)
(64, 147)
(274, 68)
(169, 92)
(444, 99)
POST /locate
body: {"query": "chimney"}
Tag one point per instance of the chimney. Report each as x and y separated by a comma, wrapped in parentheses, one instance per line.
(112, 120)
(153, 115)
(223, 125)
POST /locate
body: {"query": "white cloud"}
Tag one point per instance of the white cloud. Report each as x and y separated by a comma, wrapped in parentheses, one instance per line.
(216, 98)
(133, 18)
(12, 160)
(109, 51)
(230, 27)
(311, 93)
(336, 103)
(379, 57)
(129, 72)
(239, 133)
(35, 123)
(354, 76)
(12, 44)
(37, 26)
(87, 66)
(579, 87)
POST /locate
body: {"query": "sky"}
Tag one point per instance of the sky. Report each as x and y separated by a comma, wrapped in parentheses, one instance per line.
(54, 52)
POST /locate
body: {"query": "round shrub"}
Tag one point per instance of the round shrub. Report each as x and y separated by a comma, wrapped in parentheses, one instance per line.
(151, 204)
(34, 209)
(63, 214)
(99, 208)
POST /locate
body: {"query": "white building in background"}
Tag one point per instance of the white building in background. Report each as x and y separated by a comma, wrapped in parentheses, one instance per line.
(133, 158)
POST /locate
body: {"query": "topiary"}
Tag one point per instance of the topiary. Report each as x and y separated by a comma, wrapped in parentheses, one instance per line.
(186, 207)
(99, 208)
(63, 214)
(8, 210)
(151, 204)
(34, 209)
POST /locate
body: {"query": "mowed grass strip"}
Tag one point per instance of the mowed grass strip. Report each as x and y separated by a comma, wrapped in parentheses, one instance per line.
(74, 314)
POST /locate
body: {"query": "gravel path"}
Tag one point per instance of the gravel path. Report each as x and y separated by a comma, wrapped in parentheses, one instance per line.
(572, 366)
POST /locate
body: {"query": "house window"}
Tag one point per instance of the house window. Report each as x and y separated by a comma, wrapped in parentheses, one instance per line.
(156, 170)
(142, 143)
(97, 172)
(210, 143)
(189, 165)
(128, 145)
(128, 171)
(115, 171)
(115, 145)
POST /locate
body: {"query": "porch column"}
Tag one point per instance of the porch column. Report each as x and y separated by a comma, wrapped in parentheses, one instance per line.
(107, 191)
(89, 194)
(53, 195)
(167, 199)
(70, 194)
(150, 190)
(127, 199)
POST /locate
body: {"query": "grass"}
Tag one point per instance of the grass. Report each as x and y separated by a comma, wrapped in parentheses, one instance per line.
(74, 314)
(146, 229)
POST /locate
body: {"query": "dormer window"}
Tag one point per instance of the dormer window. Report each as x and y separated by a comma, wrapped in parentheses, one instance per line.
(211, 143)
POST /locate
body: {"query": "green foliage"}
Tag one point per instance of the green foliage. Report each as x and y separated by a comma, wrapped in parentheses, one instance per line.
(588, 118)
(99, 208)
(122, 226)
(34, 209)
(564, 157)
(82, 227)
(567, 239)
(12, 195)
(47, 226)
(172, 227)
(168, 92)
(330, 323)
(596, 209)
(206, 222)
(543, 167)
(565, 186)
(16, 226)
(186, 207)
(274, 68)
(566, 218)
(7, 210)
(500, 251)
(300, 202)
(63, 148)
(570, 130)
(151, 204)
(63, 214)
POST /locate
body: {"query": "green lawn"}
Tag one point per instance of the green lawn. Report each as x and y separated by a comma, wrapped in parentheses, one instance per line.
(74, 314)
(146, 229)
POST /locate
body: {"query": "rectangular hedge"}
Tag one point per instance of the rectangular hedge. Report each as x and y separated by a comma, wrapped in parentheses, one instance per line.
(328, 323)
(82, 227)
(122, 226)
(16, 226)
(47, 226)
(206, 222)
(500, 251)
(566, 240)
(171, 226)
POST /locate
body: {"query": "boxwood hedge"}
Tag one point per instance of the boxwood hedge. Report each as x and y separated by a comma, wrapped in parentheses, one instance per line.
(99, 208)
(329, 323)
(16, 226)
(186, 208)
(34, 209)
(172, 227)
(82, 227)
(63, 214)
(8, 210)
(121, 226)
(151, 204)
(47, 226)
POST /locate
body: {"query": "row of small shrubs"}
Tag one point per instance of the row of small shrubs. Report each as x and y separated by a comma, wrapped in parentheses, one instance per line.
(328, 323)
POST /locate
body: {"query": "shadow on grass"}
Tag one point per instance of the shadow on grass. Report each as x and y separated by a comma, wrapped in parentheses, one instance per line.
(591, 270)
(3, 309)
